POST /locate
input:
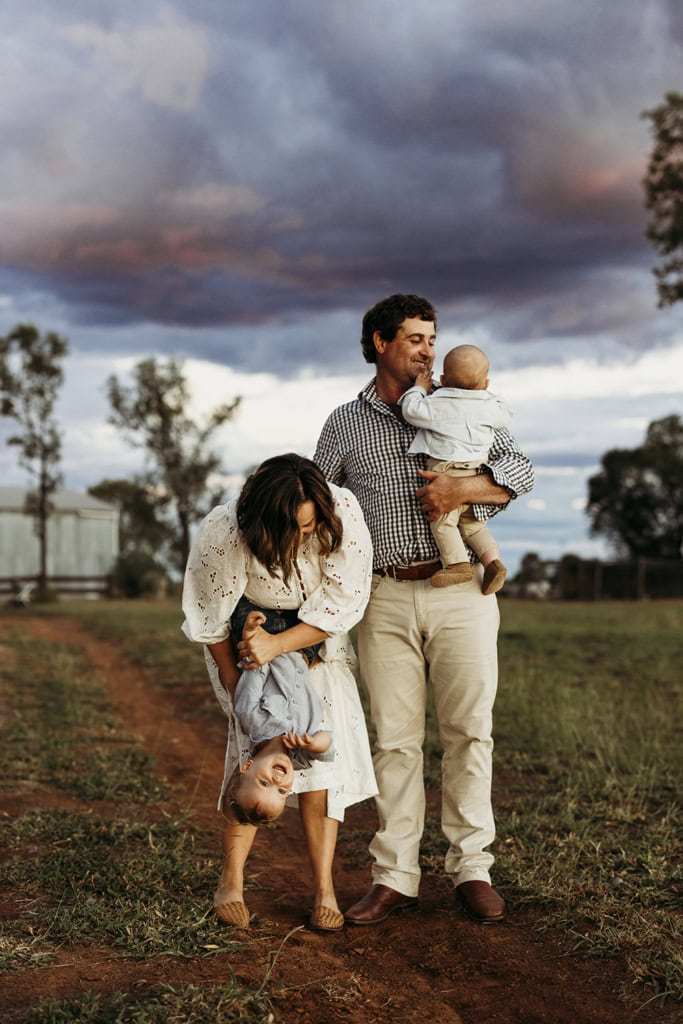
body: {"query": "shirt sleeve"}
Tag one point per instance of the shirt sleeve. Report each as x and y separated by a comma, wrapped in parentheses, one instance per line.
(416, 408)
(215, 577)
(509, 467)
(502, 415)
(339, 601)
(328, 455)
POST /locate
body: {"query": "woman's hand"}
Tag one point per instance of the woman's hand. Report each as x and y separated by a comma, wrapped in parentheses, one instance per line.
(259, 648)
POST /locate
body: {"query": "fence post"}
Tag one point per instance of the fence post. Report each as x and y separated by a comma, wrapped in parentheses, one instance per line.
(641, 570)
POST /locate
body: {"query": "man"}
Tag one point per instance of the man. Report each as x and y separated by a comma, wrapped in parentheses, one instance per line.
(413, 633)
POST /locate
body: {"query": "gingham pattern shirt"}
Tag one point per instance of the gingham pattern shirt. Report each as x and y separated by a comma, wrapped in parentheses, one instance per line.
(364, 446)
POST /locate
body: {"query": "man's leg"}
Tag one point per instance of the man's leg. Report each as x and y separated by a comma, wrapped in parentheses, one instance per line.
(394, 675)
(462, 628)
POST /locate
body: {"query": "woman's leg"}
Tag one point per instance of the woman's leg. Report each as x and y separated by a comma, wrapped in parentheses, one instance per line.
(237, 842)
(321, 840)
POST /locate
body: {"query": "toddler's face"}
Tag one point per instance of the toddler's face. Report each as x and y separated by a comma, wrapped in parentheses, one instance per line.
(265, 784)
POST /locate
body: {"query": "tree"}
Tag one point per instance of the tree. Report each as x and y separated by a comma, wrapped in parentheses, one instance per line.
(140, 528)
(30, 378)
(142, 534)
(152, 415)
(663, 186)
(532, 576)
(637, 498)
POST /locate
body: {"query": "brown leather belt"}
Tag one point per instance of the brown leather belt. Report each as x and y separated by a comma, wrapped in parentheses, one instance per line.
(406, 573)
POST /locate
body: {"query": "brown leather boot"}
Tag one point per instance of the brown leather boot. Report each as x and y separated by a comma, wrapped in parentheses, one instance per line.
(459, 572)
(494, 577)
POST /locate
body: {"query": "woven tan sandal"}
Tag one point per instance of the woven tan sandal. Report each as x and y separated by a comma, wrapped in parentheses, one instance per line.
(235, 914)
(325, 919)
(460, 572)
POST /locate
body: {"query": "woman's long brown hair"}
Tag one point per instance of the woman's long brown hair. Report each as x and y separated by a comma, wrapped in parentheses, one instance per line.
(268, 505)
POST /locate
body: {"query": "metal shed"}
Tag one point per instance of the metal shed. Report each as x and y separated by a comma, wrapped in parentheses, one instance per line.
(82, 539)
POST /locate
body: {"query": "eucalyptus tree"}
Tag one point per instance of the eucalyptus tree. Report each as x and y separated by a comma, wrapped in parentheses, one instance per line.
(663, 184)
(30, 378)
(152, 414)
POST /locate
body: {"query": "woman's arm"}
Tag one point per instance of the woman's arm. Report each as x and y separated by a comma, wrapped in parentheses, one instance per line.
(262, 647)
(223, 655)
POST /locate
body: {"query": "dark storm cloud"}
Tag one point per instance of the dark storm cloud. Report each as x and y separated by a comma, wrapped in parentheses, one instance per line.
(278, 161)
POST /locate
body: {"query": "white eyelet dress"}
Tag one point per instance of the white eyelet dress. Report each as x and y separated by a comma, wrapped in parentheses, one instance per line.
(331, 593)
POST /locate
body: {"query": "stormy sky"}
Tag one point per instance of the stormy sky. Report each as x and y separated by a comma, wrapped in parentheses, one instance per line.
(234, 182)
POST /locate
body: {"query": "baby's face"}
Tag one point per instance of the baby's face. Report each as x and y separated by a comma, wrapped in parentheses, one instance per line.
(265, 784)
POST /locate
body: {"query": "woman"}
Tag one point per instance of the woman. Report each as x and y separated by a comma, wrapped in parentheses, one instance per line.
(290, 541)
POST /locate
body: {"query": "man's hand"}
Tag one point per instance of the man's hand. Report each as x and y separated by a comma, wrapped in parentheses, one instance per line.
(442, 493)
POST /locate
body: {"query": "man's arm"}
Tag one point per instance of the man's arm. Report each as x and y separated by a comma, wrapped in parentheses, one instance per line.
(328, 456)
(443, 493)
(506, 474)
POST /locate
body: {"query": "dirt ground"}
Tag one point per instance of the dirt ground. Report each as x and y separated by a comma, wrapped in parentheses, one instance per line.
(433, 964)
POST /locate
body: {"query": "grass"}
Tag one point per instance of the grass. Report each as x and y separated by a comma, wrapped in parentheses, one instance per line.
(142, 889)
(588, 762)
(57, 728)
(192, 1005)
(137, 886)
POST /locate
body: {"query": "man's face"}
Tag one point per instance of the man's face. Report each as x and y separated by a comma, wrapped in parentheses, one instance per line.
(411, 351)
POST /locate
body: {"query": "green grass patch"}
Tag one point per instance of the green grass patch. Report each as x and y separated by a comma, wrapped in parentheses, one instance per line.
(588, 762)
(148, 634)
(142, 888)
(57, 728)
(227, 1003)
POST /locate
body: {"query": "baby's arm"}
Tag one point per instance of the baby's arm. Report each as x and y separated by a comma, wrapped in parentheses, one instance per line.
(424, 379)
(318, 743)
(251, 623)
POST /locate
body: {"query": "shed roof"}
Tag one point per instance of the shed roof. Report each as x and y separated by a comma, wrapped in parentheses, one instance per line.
(64, 500)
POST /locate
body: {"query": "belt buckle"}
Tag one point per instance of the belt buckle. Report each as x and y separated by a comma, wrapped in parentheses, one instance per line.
(393, 569)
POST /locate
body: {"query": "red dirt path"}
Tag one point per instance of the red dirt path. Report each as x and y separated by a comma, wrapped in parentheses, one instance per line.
(429, 965)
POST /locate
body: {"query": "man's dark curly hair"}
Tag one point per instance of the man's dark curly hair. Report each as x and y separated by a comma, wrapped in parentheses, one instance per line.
(388, 315)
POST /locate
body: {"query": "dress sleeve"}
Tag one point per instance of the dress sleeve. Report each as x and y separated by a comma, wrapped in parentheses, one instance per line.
(215, 576)
(339, 601)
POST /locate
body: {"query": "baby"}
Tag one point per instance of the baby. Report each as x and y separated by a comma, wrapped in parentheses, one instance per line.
(282, 715)
(456, 427)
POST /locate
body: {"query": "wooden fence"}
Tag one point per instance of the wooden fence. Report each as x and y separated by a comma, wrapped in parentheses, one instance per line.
(66, 586)
(593, 580)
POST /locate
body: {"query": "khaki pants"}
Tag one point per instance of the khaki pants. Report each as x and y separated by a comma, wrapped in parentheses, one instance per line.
(413, 635)
(459, 526)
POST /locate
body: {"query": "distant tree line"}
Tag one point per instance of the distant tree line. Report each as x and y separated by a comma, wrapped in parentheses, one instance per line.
(636, 500)
(158, 506)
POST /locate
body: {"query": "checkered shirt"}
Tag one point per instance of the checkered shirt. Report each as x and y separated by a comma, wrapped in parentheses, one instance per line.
(364, 446)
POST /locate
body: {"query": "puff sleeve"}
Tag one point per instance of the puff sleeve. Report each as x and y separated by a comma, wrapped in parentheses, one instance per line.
(215, 576)
(339, 601)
